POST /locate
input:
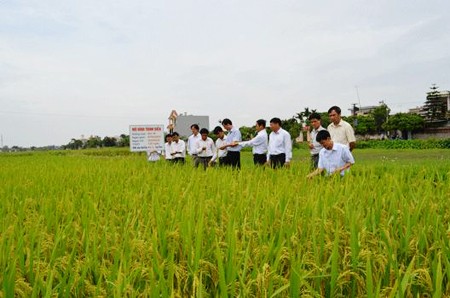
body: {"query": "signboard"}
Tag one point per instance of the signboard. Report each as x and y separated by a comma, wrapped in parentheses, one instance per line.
(146, 138)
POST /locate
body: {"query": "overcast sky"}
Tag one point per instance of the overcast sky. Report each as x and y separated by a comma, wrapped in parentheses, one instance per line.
(94, 67)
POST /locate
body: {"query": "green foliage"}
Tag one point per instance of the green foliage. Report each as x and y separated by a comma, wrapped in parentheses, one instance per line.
(405, 144)
(247, 132)
(380, 115)
(362, 124)
(404, 122)
(435, 107)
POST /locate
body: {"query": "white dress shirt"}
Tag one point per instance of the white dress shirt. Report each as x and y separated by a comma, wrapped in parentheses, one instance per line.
(234, 135)
(337, 157)
(208, 144)
(280, 142)
(317, 146)
(220, 153)
(179, 147)
(168, 150)
(259, 143)
(192, 143)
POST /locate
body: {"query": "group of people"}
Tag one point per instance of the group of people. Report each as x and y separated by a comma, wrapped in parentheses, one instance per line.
(330, 148)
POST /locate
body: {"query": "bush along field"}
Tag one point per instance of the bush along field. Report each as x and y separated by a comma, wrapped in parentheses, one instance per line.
(109, 224)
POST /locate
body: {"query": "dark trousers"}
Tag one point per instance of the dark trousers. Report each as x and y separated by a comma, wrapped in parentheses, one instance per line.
(223, 161)
(314, 161)
(259, 159)
(277, 161)
(203, 161)
(178, 160)
(234, 159)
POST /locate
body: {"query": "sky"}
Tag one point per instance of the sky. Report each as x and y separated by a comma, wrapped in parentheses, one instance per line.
(94, 67)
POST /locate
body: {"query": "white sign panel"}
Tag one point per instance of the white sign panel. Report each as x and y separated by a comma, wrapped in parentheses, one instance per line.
(146, 138)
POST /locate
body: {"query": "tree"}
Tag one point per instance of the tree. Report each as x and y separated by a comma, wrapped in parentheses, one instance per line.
(109, 142)
(435, 107)
(247, 132)
(94, 142)
(292, 126)
(380, 115)
(362, 124)
(124, 141)
(404, 122)
(74, 144)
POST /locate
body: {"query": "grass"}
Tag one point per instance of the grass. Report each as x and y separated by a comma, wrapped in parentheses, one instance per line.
(107, 223)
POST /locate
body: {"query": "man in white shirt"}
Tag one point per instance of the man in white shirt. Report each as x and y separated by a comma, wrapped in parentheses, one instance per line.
(168, 148)
(341, 131)
(334, 158)
(205, 149)
(178, 149)
(280, 145)
(192, 141)
(315, 146)
(221, 141)
(233, 148)
(259, 143)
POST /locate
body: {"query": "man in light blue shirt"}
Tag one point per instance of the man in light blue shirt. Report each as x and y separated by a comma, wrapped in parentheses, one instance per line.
(259, 143)
(279, 151)
(334, 158)
(233, 158)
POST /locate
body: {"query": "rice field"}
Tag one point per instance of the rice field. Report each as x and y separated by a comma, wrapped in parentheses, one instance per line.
(106, 223)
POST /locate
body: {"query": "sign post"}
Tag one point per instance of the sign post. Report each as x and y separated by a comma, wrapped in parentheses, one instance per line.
(146, 138)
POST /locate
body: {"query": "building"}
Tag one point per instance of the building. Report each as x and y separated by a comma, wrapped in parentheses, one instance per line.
(184, 122)
(364, 110)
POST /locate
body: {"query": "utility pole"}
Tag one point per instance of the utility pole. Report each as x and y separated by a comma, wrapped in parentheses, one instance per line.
(357, 96)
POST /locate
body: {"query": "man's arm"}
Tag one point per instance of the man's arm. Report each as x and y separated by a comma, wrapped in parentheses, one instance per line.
(314, 173)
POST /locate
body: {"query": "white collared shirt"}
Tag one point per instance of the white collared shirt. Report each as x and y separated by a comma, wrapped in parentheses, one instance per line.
(208, 144)
(342, 133)
(337, 157)
(220, 153)
(168, 150)
(234, 135)
(179, 147)
(259, 143)
(280, 142)
(317, 146)
(192, 143)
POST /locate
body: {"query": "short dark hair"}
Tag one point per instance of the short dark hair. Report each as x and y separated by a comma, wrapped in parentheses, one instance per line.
(195, 126)
(175, 134)
(227, 121)
(322, 135)
(217, 129)
(336, 109)
(314, 116)
(276, 121)
(169, 135)
(261, 122)
(204, 131)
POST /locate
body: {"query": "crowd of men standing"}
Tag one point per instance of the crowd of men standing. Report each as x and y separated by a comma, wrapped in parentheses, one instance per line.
(330, 148)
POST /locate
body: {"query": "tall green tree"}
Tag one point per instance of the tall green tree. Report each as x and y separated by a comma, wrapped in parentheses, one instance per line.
(380, 115)
(435, 107)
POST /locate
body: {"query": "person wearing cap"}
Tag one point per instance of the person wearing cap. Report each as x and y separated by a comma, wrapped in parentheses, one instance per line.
(334, 158)
(219, 154)
(280, 145)
(233, 148)
(259, 143)
(341, 131)
(315, 146)
(205, 149)
(178, 149)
